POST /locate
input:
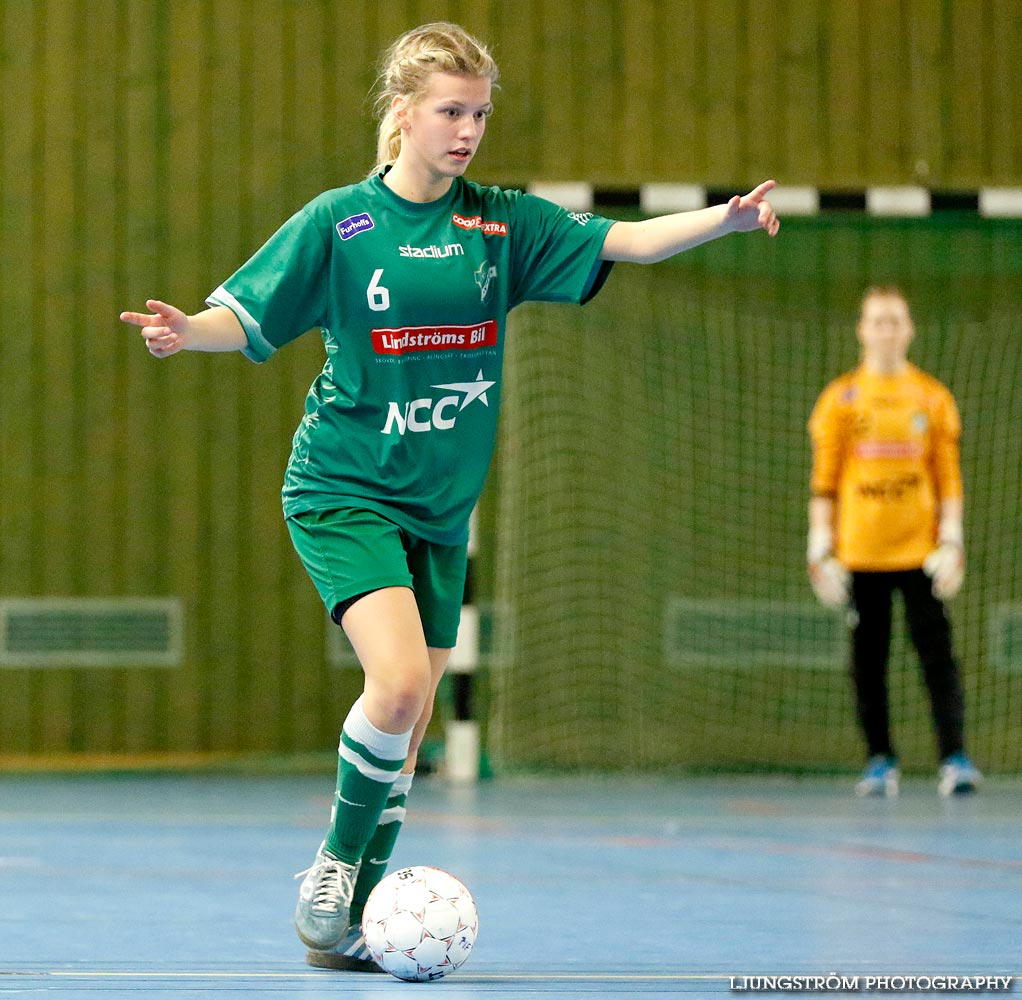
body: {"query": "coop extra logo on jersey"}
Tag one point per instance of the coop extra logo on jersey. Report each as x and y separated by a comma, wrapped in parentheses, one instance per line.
(436, 412)
(477, 222)
(408, 339)
(354, 224)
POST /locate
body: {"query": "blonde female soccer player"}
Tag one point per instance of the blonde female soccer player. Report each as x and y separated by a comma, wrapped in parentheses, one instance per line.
(886, 515)
(409, 275)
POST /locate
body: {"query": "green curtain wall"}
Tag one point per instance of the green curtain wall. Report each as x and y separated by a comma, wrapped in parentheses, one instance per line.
(147, 147)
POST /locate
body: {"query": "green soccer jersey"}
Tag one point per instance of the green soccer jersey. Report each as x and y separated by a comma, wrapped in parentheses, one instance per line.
(412, 301)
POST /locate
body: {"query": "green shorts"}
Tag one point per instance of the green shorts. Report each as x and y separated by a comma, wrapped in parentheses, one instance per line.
(352, 551)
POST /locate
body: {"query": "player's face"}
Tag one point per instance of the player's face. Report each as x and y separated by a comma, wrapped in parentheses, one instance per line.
(443, 127)
(885, 330)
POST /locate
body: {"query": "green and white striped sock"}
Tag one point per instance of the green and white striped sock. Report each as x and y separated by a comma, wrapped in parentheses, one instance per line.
(381, 845)
(368, 761)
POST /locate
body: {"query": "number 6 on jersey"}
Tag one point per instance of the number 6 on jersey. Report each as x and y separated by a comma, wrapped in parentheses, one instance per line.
(377, 294)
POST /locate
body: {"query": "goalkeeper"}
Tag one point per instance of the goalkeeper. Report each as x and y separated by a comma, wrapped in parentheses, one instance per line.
(886, 515)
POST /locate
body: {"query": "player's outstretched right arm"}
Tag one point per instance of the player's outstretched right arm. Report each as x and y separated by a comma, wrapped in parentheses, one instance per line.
(168, 330)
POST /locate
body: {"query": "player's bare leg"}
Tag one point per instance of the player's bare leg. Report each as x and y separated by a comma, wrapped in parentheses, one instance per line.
(393, 660)
(386, 633)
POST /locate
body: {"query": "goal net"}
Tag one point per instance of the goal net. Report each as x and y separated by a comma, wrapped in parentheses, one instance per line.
(651, 604)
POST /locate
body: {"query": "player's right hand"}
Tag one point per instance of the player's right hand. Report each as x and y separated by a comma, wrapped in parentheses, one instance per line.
(831, 582)
(164, 330)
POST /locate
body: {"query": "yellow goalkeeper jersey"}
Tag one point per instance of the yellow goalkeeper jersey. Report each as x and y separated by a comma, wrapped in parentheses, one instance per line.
(886, 448)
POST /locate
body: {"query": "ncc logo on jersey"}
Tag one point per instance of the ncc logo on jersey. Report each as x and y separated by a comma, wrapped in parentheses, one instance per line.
(429, 414)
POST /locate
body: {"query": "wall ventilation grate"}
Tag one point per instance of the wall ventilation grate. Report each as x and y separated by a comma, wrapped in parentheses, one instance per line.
(91, 632)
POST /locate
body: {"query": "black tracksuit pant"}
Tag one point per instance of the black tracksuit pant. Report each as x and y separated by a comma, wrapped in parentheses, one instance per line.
(931, 635)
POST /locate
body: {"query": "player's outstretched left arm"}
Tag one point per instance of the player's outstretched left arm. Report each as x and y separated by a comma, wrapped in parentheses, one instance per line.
(653, 240)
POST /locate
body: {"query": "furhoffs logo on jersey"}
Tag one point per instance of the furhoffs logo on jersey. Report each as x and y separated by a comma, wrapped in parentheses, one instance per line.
(429, 414)
(408, 339)
(354, 224)
(477, 222)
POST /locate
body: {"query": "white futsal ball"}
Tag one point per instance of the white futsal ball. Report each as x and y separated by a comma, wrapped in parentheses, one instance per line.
(420, 923)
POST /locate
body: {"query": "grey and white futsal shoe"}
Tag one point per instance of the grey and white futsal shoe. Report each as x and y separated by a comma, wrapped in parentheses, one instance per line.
(321, 917)
(351, 954)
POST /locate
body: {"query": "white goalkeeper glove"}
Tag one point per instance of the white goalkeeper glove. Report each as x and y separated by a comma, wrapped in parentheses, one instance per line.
(830, 580)
(945, 566)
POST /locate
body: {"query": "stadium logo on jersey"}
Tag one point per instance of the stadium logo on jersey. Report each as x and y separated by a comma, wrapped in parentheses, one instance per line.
(429, 414)
(477, 222)
(409, 339)
(484, 275)
(354, 224)
(432, 252)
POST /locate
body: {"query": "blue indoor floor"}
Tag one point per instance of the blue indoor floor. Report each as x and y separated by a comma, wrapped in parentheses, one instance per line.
(181, 885)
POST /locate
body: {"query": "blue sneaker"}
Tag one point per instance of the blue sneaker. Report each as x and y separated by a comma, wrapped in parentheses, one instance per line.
(880, 778)
(958, 775)
(351, 954)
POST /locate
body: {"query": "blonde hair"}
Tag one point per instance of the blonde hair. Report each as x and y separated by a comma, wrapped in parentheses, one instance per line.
(438, 47)
(882, 292)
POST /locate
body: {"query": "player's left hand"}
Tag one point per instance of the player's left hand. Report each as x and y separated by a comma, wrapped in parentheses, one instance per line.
(945, 566)
(751, 212)
(831, 582)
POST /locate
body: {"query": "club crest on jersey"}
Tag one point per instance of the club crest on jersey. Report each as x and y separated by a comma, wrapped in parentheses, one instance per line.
(354, 224)
(484, 275)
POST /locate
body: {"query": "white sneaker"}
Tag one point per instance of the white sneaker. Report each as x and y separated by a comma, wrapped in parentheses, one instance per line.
(958, 776)
(321, 917)
(880, 778)
(350, 955)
